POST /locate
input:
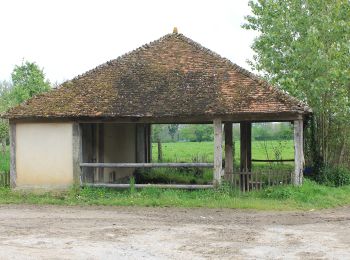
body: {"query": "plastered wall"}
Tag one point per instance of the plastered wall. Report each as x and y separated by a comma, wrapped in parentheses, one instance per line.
(44, 155)
(119, 146)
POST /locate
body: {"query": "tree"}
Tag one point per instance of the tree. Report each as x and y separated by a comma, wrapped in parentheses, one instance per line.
(303, 48)
(173, 129)
(5, 103)
(28, 80)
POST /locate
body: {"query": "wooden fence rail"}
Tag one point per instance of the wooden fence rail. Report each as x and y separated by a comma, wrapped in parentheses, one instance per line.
(146, 165)
(4, 179)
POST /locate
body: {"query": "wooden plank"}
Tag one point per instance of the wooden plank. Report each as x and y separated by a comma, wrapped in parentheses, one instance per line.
(146, 165)
(168, 186)
(228, 148)
(13, 173)
(217, 152)
(298, 152)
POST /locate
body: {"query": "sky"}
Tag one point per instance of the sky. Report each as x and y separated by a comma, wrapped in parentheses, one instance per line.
(69, 37)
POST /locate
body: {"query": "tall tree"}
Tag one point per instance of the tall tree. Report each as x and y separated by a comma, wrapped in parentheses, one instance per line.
(304, 48)
(28, 80)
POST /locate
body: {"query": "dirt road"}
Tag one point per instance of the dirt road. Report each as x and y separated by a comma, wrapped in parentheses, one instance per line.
(58, 232)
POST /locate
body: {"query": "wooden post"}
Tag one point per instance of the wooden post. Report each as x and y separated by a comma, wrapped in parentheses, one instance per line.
(13, 173)
(217, 152)
(298, 152)
(246, 154)
(77, 153)
(228, 149)
(149, 143)
(246, 146)
(101, 149)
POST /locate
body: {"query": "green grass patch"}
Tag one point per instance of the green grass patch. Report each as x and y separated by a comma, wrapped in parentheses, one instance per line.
(309, 196)
(204, 151)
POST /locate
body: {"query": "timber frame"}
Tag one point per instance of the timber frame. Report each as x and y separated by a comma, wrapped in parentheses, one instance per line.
(143, 156)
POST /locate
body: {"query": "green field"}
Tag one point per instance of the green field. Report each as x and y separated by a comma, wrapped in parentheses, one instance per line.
(190, 151)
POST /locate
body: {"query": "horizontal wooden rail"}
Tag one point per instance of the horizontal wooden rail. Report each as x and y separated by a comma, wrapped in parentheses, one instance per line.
(168, 186)
(146, 165)
(286, 160)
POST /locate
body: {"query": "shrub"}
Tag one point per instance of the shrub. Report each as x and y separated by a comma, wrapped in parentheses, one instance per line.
(333, 176)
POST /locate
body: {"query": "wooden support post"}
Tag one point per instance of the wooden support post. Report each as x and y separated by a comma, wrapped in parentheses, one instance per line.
(246, 154)
(13, 173)
(228, 149)
(149, 143)
(298, 152)
(246, 146)
(140, 143)
(217, 152)
(77, 153)
(101, 149)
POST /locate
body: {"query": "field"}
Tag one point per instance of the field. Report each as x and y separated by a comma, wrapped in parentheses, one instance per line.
(190, 151)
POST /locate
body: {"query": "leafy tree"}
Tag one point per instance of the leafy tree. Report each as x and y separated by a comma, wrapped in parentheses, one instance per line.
(28, 80)
(173, 129)
(303, 47)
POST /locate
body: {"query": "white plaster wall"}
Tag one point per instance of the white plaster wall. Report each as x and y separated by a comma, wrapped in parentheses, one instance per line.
(44, 154)
(119, 146)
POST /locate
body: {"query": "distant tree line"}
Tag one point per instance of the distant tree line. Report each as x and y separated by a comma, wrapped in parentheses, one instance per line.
(203, 133)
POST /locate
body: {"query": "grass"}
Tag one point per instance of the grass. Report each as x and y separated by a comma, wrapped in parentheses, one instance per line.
(189, 151)
(307, 197)
(5, 161)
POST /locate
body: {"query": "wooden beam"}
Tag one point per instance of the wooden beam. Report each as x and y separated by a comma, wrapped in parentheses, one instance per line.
(77, 153)
(167, 186)
(217, 152)
(146, 165)
(198, 119)
(13, 172)
(228, 148)
(298, 152)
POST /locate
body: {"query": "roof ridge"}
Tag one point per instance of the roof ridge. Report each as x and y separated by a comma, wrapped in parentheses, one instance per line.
(247, 73)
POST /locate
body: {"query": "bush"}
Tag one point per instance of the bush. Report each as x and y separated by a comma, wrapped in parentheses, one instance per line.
(333, 176)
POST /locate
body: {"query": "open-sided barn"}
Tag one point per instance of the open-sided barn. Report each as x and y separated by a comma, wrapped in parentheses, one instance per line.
(98, 124)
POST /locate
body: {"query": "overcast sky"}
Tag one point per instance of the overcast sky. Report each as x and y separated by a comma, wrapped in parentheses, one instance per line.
(69, 37)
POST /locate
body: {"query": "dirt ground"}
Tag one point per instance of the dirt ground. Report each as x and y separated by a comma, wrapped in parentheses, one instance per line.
(60, 232)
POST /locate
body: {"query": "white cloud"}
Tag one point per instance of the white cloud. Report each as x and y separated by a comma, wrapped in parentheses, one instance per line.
(69, 37)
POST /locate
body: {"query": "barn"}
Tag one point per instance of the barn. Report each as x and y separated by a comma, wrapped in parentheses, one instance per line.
(96, 128)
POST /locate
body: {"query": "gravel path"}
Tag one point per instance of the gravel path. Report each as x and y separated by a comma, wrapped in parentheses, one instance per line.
(60, 232)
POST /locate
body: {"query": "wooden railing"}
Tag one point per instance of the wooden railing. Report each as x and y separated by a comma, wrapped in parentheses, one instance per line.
(257, 180)
(146, 165)
(4, 179)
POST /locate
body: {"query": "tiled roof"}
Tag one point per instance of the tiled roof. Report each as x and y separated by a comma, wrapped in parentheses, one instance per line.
(170, 77)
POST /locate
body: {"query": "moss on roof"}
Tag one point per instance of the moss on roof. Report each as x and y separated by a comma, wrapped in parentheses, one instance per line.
(170, 77)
